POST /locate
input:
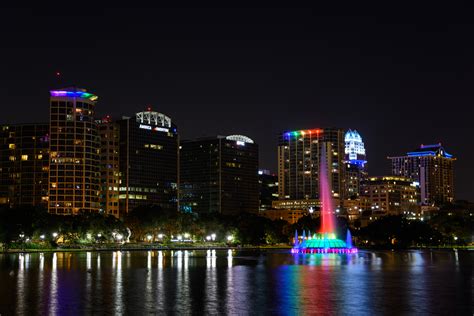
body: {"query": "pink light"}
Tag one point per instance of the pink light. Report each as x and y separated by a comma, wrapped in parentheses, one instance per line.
(327, 215)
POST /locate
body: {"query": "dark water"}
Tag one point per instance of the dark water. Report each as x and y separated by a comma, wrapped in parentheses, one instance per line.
(237, 282)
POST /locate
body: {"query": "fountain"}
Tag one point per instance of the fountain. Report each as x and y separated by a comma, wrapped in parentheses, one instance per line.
(325, 241)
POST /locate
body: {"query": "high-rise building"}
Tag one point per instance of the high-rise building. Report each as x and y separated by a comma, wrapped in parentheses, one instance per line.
(299, 154)
(268, 183)
(149, 161)
(109, 166)
(24, 165)
(391, 195)
(355, 163)
(74, 174)
(219, 175)
(433, 168)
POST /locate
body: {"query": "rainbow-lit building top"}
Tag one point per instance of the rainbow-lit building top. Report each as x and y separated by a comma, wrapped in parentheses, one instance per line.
(73, 93)
(303, 132)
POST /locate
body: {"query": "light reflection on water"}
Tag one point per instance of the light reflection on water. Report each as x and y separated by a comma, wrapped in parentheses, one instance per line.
(236, 282)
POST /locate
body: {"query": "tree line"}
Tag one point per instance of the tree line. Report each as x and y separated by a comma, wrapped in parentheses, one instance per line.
(30, 226)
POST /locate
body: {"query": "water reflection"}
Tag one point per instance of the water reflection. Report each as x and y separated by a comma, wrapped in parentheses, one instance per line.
(236, 282)
(211, 302)
(117, 265)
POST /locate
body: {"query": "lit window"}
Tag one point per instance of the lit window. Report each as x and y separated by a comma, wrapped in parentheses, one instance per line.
(11, 146)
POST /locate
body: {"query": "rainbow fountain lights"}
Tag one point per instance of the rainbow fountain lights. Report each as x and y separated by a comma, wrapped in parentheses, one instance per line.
(325, 241)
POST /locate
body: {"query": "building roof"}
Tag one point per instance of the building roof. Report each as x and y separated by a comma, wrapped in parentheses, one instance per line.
(430, 150)
(73, 92)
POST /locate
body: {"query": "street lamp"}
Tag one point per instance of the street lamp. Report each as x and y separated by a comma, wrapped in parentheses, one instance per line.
(55, 235)
(213, 236)
(230, 238)
(119, 237)
(160, 236)
(149, 237)
(41, 237)
(186, 235)
(208, 238)
(180, 237)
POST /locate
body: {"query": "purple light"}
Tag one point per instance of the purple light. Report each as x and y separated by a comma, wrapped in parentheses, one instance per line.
(73, 94)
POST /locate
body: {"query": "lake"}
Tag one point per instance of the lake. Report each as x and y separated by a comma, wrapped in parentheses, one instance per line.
(243, 282)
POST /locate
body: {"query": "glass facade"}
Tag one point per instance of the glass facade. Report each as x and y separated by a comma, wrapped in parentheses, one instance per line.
(148, 160)
(219, 175)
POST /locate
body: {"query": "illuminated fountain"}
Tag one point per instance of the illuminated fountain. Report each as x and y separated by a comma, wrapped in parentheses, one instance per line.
(325, 241)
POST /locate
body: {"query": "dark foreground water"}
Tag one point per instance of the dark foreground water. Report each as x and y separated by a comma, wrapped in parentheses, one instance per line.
(237, 282)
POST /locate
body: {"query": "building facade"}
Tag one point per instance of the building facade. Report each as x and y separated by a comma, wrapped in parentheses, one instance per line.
(299, 154)
(391, 195)
(219, 175)
(24, 165)
(433, 168)
(74, 172)
(109, 166)
(355, 163)
(148, 161)
(268, 184)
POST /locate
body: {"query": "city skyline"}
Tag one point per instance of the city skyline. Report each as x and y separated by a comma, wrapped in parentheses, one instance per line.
(305, 73)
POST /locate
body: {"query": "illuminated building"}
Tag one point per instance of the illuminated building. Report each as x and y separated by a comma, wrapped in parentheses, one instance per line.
(268, 184)
(148, 161)
(109, 166)
(433, 168)
(24, 165)
(355, 163)
(219, 175)
(299, 154)
(391, 195)
(74, 175)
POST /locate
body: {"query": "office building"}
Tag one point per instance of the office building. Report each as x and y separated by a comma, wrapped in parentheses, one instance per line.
(299, 158)
(24, 165)
(219, 175)
(109, 166)
(74, 173)
(433, 168)
(391, 195)
(268, 183)
(355, 163)
(148, 162)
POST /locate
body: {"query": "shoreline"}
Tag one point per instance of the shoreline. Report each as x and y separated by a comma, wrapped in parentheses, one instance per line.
(165, 248)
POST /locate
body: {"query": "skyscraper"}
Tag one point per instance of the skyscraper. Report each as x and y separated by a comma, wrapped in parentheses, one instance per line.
(74, 174)
(148, 161)
(433, 168)
(109, 166)
(355, 163)
(219, 175)
(24, 165)
(299, 154)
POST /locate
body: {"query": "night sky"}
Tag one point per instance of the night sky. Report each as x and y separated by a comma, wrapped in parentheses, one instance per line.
(400, 76)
